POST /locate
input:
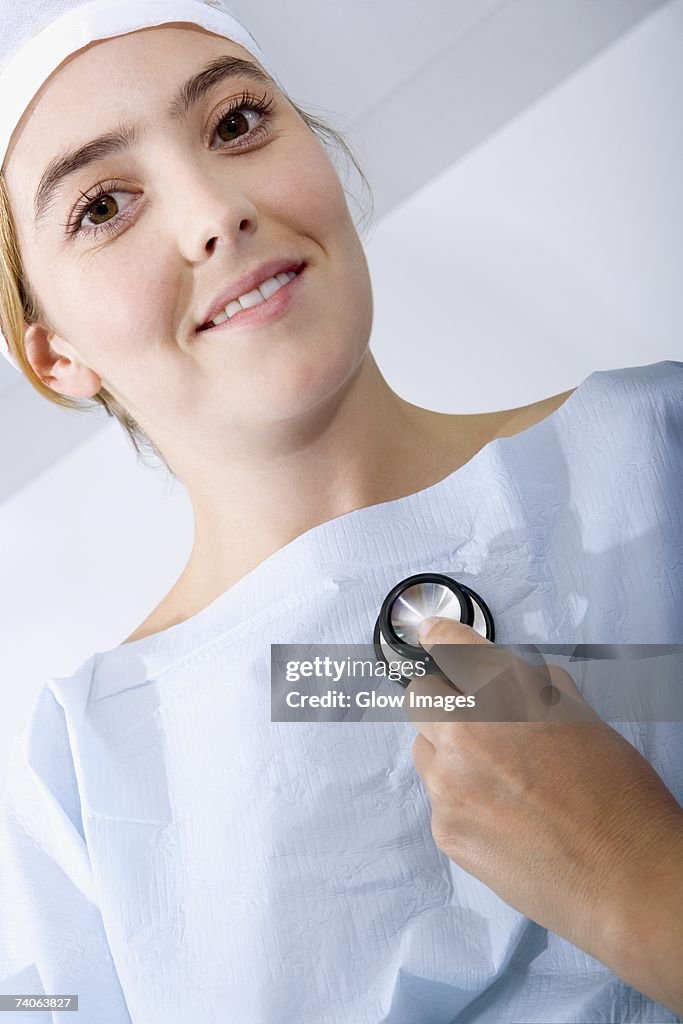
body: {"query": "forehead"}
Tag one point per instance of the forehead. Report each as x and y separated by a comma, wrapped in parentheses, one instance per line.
(104, 82)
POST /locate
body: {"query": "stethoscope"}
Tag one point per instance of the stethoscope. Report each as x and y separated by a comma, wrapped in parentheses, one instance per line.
(416, 598)
(431, 593)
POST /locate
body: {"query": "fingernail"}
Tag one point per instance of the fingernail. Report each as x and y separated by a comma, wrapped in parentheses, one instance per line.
(425, 627)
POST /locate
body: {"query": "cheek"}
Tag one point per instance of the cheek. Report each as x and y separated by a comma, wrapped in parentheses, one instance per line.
(328, 221)
(114, 316)
(140, 302)
(307, 192)
(316, 205)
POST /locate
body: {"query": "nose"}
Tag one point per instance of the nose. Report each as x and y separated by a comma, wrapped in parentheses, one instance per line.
(214, 210)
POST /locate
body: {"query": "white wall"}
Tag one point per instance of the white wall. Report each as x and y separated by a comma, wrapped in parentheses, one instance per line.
(552, 250)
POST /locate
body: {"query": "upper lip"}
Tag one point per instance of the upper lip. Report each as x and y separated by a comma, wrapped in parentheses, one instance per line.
(249, 281)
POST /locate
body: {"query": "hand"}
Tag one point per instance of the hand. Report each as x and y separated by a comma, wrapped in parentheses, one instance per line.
(555, 811)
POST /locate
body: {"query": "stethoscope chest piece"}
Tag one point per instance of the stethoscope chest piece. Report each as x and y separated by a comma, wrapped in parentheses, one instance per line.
(416, 598)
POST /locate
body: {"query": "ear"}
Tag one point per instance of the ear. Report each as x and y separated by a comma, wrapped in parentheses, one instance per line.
(58, 365)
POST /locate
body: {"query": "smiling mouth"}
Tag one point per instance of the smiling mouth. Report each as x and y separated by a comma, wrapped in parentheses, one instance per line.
(256, 297)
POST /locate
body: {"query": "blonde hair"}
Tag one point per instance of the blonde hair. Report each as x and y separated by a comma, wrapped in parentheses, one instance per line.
(19, 305)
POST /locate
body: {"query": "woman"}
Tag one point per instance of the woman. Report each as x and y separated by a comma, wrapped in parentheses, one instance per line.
(168, 849)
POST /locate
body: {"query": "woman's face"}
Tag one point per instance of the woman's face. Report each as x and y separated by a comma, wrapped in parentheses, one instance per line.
(195, 202)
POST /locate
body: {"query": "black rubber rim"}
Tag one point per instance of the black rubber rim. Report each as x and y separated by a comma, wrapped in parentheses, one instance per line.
(384, 622)
(404, 681)
(488, 618)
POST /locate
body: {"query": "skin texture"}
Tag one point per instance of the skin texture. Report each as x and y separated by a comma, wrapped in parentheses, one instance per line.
(272, 430)
(553, 809)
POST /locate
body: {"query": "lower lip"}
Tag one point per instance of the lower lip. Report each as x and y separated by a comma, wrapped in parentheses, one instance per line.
(265, 313)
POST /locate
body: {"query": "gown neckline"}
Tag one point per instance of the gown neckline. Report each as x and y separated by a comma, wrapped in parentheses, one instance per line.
(325, 545)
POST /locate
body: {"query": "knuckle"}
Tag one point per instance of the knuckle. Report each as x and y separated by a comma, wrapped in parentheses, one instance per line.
(444, 837)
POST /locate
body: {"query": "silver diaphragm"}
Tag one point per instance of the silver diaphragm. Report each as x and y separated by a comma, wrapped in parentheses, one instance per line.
(418, 602)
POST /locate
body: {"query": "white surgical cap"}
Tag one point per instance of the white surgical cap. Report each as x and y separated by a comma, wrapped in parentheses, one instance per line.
(38, 35)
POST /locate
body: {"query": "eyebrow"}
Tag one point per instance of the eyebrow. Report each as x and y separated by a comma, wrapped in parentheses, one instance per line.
(125, 136)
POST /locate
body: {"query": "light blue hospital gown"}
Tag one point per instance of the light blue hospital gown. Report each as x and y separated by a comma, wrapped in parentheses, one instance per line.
(170, 854)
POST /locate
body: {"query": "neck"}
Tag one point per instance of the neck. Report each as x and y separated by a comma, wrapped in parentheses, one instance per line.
(366, 446)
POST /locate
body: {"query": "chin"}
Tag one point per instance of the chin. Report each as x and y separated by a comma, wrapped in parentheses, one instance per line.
(310, 380)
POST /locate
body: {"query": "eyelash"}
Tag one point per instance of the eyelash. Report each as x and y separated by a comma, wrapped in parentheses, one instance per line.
(262, 105)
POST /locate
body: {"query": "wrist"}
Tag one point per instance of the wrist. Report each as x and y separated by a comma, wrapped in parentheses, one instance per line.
(639, 928)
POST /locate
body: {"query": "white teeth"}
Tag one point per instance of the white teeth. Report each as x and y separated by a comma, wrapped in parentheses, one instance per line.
(260, 294)
(269, 287)
(254, 297)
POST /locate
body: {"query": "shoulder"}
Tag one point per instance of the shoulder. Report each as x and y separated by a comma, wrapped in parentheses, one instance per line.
(514, 421)
(639, 410)
(627, 437)
(43, 742)
(633, 396)
(655, 386)
(40, 768)
(41, 779)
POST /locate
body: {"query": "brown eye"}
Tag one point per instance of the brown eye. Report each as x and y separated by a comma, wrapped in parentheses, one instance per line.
(232, 126)
(102, 211)
(105, 207)
(235, 122)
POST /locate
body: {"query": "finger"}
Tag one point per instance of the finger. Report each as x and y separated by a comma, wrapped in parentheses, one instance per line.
(507, 687)
(423, 753)
(432, 702)
(466, 658)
